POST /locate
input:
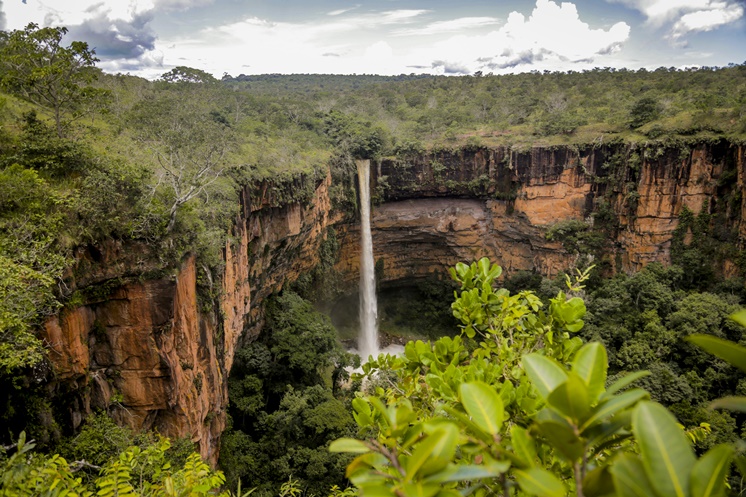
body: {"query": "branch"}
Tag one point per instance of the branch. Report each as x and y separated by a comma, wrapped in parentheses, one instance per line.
(78, 465)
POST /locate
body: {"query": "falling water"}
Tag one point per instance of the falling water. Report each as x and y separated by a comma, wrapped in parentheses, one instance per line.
(368, 340)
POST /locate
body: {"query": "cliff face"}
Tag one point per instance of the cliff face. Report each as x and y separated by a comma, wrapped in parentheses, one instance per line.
(149, 352)
(155, 358)
(447, 207)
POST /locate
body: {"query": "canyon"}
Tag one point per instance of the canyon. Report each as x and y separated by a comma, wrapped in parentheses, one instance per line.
(145, 347)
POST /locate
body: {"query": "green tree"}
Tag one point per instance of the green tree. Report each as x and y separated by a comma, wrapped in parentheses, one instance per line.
(190, 146)
(35, 65)
(643, 111)
(134, 472)
(540, 420)
(283, 407)
(183, 74)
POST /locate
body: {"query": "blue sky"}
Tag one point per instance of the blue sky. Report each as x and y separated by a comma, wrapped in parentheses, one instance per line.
(149, 37)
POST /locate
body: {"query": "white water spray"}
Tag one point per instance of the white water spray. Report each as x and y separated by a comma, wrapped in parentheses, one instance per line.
(368, 338)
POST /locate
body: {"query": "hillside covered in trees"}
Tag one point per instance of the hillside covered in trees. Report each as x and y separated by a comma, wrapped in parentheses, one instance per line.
(87, 158)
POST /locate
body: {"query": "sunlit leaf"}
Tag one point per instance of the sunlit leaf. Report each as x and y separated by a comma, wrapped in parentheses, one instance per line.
(623, 382)
(613, 406)
(540, 482)
(544, 373)
(730, 352)
(591, 364)
(630, 479)
(739, 317)
(732, 403)
(484, 406)
(434, 453)
(571, 398)
(523, 446)
(469, 472)
(349, 445)
(666, 454)
(708, 475)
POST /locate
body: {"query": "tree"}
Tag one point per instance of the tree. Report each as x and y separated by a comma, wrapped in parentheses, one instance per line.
(35, 66)
(643, 111)
(183, 74)
(133, 472)
(527, 412)
(189, 144)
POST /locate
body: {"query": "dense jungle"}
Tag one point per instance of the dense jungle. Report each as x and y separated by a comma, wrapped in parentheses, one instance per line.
(200, 236)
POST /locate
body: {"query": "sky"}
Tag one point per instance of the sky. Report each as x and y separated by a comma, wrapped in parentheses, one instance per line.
(150, 37)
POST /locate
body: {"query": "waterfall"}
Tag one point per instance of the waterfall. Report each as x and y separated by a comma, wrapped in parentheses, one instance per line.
(368, 338)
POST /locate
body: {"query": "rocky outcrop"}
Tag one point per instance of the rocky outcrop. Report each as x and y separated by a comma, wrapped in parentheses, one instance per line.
(145, 348)
(514, 197)
(154, 356)
(417, 238)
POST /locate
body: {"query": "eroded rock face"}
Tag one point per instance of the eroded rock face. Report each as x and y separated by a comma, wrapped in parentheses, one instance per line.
(523, 194)
(147, 356)
(417, 238)
(151, 354)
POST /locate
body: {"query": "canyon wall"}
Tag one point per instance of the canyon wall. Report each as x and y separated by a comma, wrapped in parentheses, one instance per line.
(450, 206)
(144, 347)
(147, 350)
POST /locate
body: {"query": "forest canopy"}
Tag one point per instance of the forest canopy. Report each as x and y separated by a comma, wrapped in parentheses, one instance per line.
(88, 157)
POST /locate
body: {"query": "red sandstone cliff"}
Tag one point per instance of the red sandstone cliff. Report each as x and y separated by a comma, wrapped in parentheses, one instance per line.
(149, 354)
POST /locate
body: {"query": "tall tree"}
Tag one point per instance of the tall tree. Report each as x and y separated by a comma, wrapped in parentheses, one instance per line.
(36, 66)
(189, 143)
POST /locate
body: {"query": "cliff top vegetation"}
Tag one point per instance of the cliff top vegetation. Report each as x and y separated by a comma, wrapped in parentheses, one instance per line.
(87, 156)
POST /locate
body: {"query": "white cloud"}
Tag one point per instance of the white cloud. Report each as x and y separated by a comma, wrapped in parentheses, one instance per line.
(440, 27)
(400, 16)
(552, 36)
(341, 11)
(686, 16)
(706, 20)
(390, 42)
(181, 4)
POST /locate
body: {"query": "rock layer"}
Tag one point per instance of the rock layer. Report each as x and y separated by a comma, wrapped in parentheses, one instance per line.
(148, 351)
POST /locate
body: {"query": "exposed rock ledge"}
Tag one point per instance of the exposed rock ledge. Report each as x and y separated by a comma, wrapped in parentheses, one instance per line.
(148, 354)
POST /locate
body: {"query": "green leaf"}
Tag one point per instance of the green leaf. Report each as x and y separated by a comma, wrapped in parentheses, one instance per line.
(623, 382)
(464, 420)
(538, 481)
(434, 453)
(448, 492)
(571, 398)
(444, 451)
(418, 489)
(708, 475)
(731, 403)
(358, 469)
(523, 446)
(376, 489)
(484, 406)
(469, 472)
(378, 406)
(598, 482)
(562, 437)
(730, 352)
(544, 373)
(666, 454)
(349, 445)
(591, 364)
(614, 405)
(739, 317)
(630, 479)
